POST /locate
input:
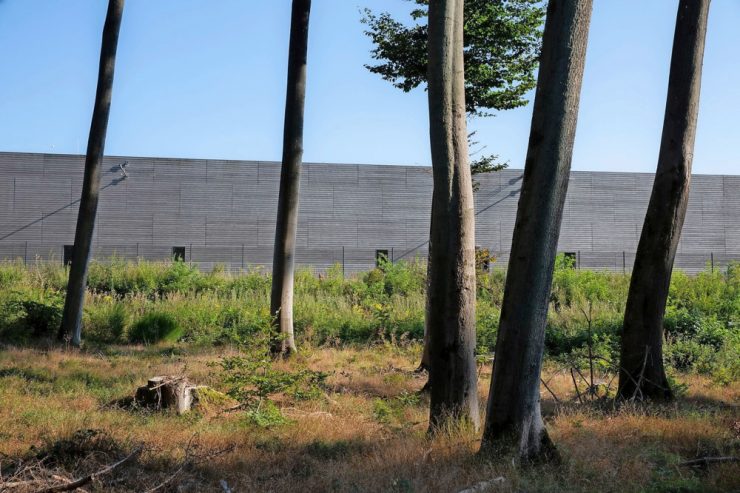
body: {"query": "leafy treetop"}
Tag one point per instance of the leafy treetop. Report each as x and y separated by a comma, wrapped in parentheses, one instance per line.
(502, 45)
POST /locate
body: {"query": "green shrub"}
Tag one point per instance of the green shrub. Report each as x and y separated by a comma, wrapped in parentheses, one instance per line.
(486, 327)
(11, 274)
(34, 318)
(253, 378)
(684, 354)
(155, 327)
(106, 322)
(180, 278)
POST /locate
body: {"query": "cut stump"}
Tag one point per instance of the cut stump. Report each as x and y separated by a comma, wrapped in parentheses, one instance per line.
(166, 392)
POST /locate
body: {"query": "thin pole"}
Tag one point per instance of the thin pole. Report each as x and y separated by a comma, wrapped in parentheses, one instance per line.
(711, 257)
(25, 255)
(242, 256)
(343, 274)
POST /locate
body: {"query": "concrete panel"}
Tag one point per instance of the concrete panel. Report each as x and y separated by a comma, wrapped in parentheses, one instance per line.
(357, 201)
(329, 174)
(219, 205)
(180, 170)
(206, 198)
(231, 171)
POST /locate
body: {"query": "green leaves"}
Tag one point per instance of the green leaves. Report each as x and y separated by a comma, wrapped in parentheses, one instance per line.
(502, 43)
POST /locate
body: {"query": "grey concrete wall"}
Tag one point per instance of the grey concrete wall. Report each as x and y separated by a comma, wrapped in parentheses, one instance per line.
(224, 212)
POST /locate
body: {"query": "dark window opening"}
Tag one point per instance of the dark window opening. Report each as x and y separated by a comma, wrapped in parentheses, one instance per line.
(571, 259)
(178, 254)
(68, 254)
(381, 257)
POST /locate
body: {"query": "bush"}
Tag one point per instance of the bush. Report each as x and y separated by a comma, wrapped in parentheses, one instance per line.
(106, 322)
(684, 353)
(25, 319)
(180, 277)
(254, 377)
(155, 327)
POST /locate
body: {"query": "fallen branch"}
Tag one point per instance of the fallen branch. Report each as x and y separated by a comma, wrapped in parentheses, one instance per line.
(575, 385)
(550, 390)
(91, 477)
(705, 461)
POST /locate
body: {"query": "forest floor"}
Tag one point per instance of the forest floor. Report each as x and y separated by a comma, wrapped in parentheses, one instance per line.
(365, 432)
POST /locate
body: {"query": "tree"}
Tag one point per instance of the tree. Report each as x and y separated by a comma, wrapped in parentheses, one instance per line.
(502, 43)
(514, 417)
(501, 48)
(451, 308)
(642, 374)
(72, 316)
(281, 299)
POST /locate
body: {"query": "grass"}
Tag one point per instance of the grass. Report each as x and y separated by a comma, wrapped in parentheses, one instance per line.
(364, 432)
(346, 414)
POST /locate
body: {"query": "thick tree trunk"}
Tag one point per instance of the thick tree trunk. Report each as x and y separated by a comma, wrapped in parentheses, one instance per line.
(642, 374)
(72, 317)
(514, 417)
(451, 309)
(283, 264)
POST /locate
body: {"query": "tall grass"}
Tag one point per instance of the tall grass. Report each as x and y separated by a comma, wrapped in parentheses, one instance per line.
(152, 301)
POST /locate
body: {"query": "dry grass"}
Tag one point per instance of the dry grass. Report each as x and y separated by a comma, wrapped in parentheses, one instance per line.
(367, 433)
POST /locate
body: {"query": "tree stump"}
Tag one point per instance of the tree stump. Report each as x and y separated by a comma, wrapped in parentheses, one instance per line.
(166, 392)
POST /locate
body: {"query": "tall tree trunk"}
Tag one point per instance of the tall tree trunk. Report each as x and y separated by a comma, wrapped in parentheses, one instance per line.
(283, 264)
(642, 374)
(72, 317)
(451, 311)
(513, 418)
(425, 355)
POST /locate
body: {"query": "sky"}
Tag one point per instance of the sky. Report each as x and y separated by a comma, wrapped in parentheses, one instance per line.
(206, 79)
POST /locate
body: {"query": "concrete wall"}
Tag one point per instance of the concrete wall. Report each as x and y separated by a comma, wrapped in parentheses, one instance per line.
(224, 212)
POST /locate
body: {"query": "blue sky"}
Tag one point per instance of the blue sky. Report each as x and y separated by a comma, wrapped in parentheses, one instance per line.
(206, 78)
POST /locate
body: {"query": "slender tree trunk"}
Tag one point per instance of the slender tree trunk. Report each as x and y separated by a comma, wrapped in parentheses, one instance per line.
(514, 418)
(425, 356)
(642, 374)
(451, 311)
(72, 317)
(281, 299)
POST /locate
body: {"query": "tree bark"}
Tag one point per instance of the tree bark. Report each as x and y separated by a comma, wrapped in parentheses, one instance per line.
(425, 364)
(451, 306)
(642, 374)
(514, 419)
(72, 316)
(283, 264)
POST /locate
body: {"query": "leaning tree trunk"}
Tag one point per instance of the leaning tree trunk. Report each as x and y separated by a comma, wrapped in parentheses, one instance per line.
(72, 317)
(514, 418)
(283, 263)
(642, 374)
(451, 311)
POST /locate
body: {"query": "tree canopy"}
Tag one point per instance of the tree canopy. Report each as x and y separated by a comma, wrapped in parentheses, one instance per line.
(501, 50)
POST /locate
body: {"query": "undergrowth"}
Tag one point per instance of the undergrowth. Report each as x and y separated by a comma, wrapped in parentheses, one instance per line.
(152, 302)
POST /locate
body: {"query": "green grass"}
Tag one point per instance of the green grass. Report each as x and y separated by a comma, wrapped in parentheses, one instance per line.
(149, 303)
